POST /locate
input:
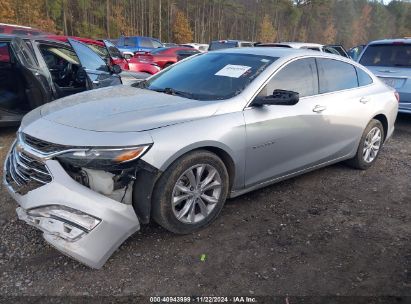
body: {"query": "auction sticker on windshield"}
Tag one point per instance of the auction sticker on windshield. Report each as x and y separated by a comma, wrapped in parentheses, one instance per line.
(233, 71)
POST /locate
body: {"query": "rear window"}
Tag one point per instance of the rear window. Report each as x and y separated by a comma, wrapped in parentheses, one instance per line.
(129, 41)
(363, 78)
(335, 75)
(389, 55)
(219, 45)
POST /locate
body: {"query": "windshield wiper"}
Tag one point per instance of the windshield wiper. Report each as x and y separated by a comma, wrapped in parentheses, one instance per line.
(141, 84)
(171, 91)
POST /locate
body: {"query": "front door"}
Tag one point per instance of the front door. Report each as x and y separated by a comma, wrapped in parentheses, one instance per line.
(283, 139)
(98, 72)
(38, 89)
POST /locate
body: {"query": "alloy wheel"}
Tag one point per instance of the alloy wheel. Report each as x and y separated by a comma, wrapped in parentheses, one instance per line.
(372, 145)
(196, 193)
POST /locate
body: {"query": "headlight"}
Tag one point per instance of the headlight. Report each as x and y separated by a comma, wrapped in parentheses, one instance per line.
(98, 158)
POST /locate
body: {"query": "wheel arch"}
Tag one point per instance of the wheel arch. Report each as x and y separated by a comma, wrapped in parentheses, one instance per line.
(384, 121)
(222, 151)
(146, 182)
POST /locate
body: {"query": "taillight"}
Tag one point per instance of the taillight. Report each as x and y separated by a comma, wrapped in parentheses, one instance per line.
(397, 96)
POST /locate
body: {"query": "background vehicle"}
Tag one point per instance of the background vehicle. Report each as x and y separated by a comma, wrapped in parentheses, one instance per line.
(19, 30)
(331, 49)
(108, 51)
(36, 70)
(164, 57)
(134, 44)
(159, 154)
(355, 51)
(170, 44)
(390, 60)
(228, 44)
(198, 46)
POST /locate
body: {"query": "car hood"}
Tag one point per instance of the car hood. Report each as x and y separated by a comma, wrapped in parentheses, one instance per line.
(125, 108)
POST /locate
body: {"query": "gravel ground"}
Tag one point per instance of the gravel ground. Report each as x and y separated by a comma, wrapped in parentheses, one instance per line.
(335, 231)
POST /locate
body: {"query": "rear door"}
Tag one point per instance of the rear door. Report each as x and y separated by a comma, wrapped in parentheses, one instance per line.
(345, 104)
(39, 90)
(98, 72)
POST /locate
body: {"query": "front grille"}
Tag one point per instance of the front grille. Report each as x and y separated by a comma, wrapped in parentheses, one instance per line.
(24, 173)
(42, 145)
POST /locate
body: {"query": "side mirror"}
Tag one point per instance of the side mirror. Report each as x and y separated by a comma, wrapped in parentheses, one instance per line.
(127, 56)
(279, 97)
(116, 69)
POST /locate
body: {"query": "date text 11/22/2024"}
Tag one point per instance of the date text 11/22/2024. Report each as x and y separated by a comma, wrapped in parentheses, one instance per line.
(203, 299)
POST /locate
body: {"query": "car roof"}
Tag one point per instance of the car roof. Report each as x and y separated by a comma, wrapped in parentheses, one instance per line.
(391, 41)
(300, 44)
(279, 52)
(230, 40)
(65, 39)
(32, 38)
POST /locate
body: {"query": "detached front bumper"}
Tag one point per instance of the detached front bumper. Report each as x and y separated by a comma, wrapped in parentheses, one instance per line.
(91, 245)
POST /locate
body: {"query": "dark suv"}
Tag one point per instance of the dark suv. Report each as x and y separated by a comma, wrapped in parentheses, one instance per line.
(37, 70)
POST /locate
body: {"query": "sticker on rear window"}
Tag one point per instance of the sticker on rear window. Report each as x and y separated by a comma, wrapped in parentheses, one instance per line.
(233, 71)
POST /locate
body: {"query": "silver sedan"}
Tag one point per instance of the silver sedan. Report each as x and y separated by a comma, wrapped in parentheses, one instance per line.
(90, 168)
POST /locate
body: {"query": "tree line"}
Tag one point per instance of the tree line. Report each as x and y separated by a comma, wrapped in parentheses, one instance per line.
(348, 22)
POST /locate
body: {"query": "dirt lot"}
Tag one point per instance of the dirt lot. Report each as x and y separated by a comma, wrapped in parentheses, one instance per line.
(336, 231)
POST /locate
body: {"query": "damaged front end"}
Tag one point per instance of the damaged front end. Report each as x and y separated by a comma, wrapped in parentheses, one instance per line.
(87, 201)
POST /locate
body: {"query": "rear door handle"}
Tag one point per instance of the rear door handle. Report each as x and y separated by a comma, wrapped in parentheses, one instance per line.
(319, 109)
(364, 100)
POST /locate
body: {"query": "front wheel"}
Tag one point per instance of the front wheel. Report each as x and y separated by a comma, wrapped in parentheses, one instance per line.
(370, 145)
(191, 192)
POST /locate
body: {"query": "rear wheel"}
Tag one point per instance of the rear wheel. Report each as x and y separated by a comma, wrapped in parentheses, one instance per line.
(370, 145)
(191, 192)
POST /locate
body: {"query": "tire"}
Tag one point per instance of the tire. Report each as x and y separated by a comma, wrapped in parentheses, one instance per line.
(175, 179)
(360, 160)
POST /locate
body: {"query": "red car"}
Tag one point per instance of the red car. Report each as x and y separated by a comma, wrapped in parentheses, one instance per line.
(165, 57)
(106, 49)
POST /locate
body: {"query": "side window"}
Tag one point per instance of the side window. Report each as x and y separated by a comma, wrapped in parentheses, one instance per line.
(299, 76)
(129, 41)
(336, 75)
(4, 52)
(88, 59)
(156, 44)
(146, 43)
(363, 78)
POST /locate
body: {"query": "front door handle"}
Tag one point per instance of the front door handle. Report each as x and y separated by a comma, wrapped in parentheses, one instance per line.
(319, 109)
(364, 100)
(96, 82)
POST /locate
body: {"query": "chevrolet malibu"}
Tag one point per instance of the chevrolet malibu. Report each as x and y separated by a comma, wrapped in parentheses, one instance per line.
(88, 169)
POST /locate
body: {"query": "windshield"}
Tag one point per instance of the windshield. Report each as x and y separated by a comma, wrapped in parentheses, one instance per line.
(388, 55)
(212, 76)
(217, 45)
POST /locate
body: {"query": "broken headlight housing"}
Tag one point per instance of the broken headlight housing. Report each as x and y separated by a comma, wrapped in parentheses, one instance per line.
(101, 158)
